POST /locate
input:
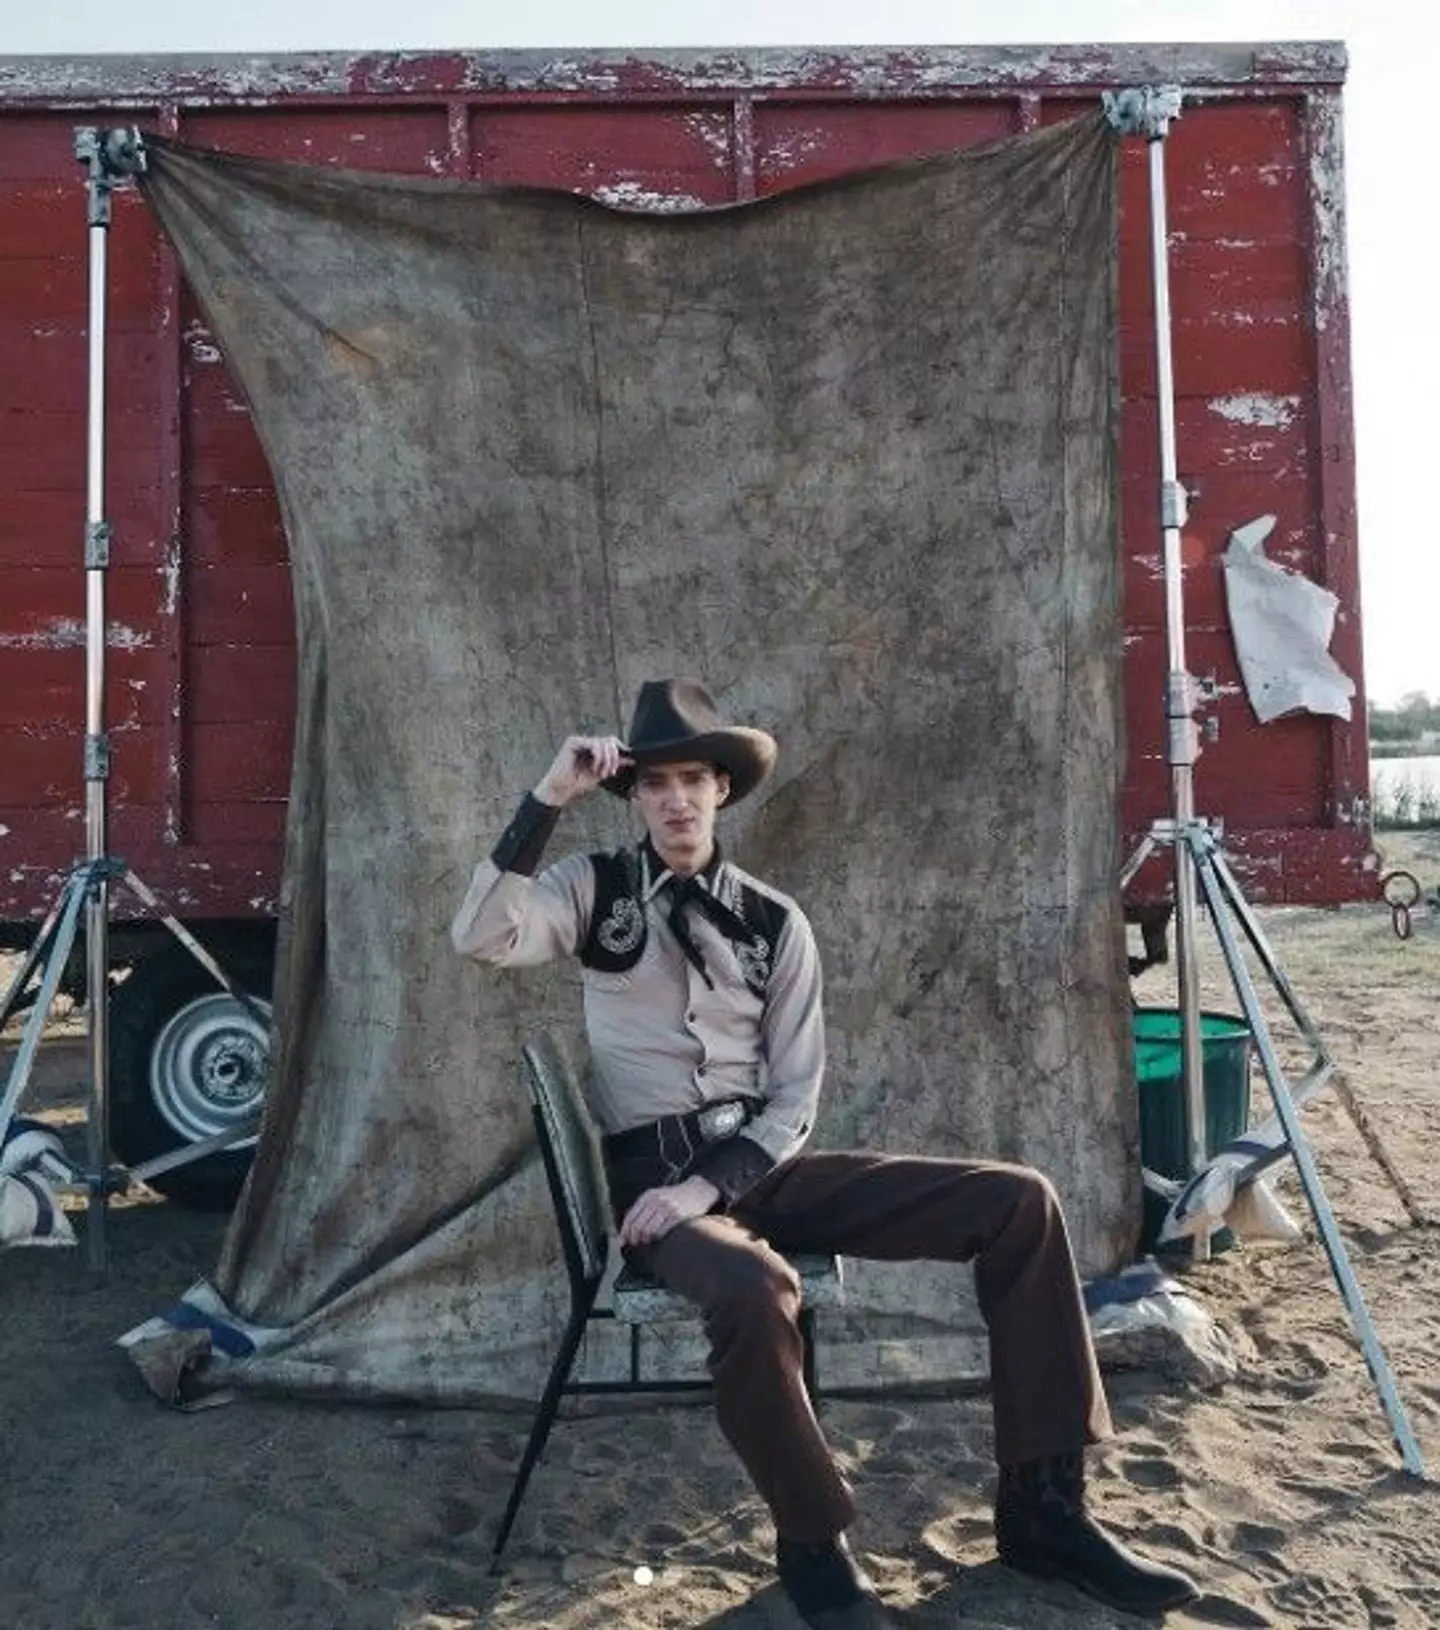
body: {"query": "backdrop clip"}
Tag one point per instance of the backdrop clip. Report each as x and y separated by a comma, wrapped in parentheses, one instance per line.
(110, 156)
(1143, 110)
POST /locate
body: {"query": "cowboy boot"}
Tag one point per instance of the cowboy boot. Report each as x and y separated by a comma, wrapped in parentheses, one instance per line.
(826, 1585)
(1042, 1528)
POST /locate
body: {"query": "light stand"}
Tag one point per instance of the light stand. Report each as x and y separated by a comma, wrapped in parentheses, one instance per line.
(1197, 856)
(109, 157)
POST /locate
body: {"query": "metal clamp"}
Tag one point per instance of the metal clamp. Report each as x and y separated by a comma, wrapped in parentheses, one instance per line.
(1143, 110)
(113, 1180)
(1174, 505)
(97, 545)
(1207, 693)
(110, 156)
(1183, 734)
(97, 757)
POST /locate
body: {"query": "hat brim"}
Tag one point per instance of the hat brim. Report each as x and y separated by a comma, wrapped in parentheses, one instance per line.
(746, 756)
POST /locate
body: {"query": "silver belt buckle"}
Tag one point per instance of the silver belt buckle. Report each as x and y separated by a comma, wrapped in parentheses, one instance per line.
(720, 1121)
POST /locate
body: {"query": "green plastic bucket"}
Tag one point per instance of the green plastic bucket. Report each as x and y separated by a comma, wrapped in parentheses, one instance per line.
(1225, 1046)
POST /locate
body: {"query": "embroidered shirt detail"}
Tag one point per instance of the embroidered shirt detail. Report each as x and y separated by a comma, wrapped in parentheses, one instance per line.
(754, 960)
(624, 928)
(628, 883)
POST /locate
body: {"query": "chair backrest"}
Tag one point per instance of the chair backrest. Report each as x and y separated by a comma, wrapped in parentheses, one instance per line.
(572, 1158)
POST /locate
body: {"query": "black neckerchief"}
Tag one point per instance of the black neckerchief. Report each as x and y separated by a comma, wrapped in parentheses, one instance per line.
(696, 891)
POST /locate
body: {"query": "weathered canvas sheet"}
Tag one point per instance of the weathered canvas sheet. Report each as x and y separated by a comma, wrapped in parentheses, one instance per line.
(848, 455)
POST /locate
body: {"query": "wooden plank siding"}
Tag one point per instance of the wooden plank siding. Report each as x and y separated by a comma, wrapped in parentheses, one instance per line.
(202, 665)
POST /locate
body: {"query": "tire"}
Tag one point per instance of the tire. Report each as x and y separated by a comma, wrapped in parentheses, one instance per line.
(186, 1061)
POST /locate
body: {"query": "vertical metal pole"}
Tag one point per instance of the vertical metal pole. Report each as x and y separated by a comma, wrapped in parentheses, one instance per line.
(89, 149)
(1148, 112)
(1182, 737)
(1199, 866)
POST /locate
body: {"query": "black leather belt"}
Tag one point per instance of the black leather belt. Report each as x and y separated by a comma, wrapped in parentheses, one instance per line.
(676, 1138)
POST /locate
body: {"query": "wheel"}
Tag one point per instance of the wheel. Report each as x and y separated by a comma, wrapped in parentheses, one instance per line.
(188, 1060)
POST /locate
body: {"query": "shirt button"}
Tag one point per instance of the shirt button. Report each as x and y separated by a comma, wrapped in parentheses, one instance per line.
(689, 1018)
(700, 1070)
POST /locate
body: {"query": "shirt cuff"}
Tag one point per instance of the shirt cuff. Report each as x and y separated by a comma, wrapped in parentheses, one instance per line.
(734, 1166)
(523, 842)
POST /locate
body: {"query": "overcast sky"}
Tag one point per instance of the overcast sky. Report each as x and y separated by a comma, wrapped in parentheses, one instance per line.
(1391, 158)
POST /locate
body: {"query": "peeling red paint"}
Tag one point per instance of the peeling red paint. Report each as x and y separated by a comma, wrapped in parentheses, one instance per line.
(202, 665)
(119, 81)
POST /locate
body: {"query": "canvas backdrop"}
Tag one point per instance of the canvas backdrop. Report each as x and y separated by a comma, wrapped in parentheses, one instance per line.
(846, 454)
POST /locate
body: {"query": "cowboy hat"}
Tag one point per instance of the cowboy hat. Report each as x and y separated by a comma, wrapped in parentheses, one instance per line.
(677, 719)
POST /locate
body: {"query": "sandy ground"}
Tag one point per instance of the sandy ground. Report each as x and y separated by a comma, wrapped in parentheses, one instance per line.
(1282, 1491)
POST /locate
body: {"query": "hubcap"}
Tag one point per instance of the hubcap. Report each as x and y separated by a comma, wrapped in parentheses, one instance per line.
(208, 1069)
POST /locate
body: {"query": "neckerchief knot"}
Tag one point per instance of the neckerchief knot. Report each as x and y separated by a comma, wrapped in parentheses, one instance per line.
(688, 892)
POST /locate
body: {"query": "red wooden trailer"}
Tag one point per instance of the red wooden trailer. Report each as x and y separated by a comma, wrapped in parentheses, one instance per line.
(200, 645)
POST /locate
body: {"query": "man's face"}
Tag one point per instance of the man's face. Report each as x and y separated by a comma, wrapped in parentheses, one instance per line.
(679, 802)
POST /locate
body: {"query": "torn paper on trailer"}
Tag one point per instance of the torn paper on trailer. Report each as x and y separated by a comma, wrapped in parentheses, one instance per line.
(1282, 623)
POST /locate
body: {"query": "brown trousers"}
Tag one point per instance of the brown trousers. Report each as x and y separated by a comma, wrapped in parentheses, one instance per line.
(1046, 1392)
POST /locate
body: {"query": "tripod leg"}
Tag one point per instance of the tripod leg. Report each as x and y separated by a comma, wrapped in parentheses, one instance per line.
(33, 958)
(147, 897)
(1375, 1359)
(1143, 850)
(56, 940)
(1256, 935)
(1325, 1065)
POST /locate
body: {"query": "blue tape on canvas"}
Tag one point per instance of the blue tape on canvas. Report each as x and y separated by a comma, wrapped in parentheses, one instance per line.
(232, 1342)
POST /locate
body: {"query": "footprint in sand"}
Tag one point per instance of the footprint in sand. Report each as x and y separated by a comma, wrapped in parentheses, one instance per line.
(1256, 1536)
(1216, 1609)
(1320, 1604)
(1170, 1536)
(457, 1515)
(894, 1463)
(1426, 1598)
(1383, 1612)
(1260, 1542)
(1146, 1448)
(1149, 1474)
(659, 1537)
(949, 1536)
(1355, 1451)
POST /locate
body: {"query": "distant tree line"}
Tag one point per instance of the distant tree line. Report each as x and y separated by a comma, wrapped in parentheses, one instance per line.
(1413, 723)
(1408, 735)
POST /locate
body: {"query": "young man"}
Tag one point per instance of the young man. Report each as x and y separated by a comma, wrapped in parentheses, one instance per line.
(703, 1011)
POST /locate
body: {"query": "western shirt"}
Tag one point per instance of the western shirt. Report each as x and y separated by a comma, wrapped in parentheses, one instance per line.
(662, 1040)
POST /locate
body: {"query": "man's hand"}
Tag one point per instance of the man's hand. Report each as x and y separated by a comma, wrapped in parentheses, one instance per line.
(582, 763)
(657, 1211)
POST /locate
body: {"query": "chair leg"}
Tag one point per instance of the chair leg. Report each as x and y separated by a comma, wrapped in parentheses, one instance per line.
(807, 1339)
(540, 1431)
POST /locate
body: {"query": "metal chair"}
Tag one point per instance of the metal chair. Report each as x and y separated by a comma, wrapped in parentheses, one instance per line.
(575, 1173)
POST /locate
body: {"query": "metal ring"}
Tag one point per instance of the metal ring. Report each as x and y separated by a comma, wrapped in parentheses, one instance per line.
(1400, 920)
(1400, 888)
